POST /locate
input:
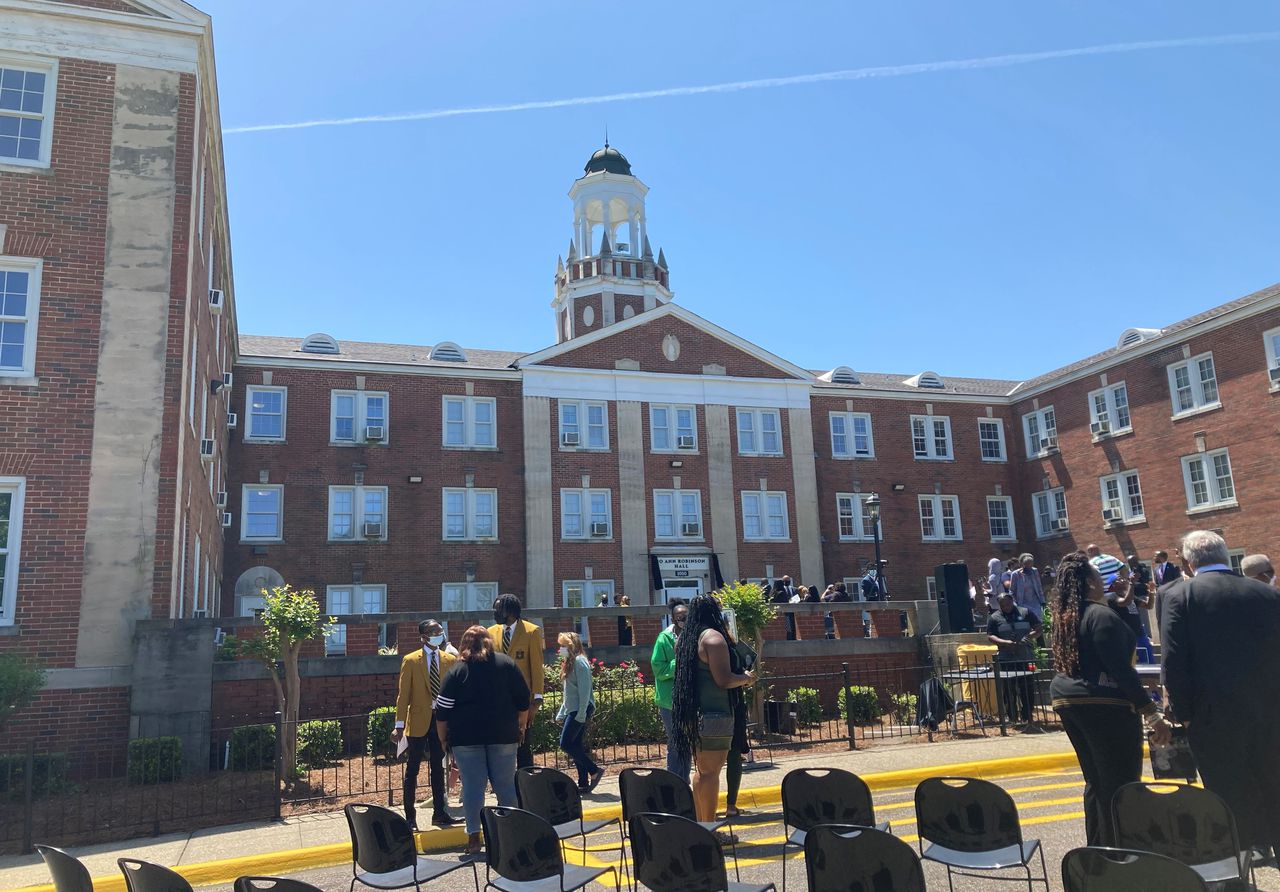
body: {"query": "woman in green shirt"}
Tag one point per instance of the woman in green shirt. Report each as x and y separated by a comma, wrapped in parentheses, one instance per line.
(663, 662)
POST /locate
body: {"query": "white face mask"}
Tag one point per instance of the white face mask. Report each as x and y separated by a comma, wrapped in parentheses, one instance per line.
(564, 653)
(435, 640)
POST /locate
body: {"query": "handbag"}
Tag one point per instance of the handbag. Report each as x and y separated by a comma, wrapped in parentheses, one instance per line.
(1174, 760)
(715, 724)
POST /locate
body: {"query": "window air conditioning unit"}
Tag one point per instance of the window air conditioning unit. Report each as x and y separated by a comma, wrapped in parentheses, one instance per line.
(1061, 524)
(206, 450)
(1110, 515)
(222, 498)
(685, 442)
(199, 614)
(1100, 427)
(226, 520)
(691, 529)
(1274, 374)
(372, 530)
(623, 248)
(215, 301)
(569, 438)
(219, 636)
(1049, 442)
(599, 529)
(232, 420)
(226, 380)
(375, 433)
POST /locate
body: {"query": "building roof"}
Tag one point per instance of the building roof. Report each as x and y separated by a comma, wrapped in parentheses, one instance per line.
(608, 160)
(265, 346)
(950, 384)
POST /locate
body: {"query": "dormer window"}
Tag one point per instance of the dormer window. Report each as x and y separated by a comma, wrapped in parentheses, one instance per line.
(320, 343)
(926, 380)
(842, 375)
(1131, 336)
(448, 351)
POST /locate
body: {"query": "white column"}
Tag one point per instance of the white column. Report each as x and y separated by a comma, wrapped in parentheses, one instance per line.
(643, 235)
(632, 232)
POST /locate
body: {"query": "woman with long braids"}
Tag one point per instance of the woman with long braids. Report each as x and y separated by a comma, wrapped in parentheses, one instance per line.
(1097, 693)
(701, 711)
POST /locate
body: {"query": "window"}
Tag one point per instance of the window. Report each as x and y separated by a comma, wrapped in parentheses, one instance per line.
(1000, 518)
(1051, 511)
(1122, 498)
(583, 593)
(851, 435)
(1193, 384)
(759, 432)
(1109, 411)
(267, 410)
(677, 514)
(344, 600)
(26, 111)
(1208, 480)
(1040, 428)
(931, 586)
(19, 313)
(460, 597)
(1271, 341)
(671, 428)
(991, 439)
(586, 513)
(584, 425)
(470, 514)
(357, 512)
(262, 513)
(940, 518)
(357, 416)
(931, 437)
(12, 491)
(469, 422)
(195, 579)
(764, 515)
(1235, 560)
(852, 519)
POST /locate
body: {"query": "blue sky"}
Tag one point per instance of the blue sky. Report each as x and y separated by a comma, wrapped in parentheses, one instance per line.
(992, 221)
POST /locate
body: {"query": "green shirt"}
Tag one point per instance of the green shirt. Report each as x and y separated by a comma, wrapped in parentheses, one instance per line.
(663, 663)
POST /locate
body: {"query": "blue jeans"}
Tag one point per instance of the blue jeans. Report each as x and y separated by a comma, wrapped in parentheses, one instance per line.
(573, 740)
(478, 766)
(674, 764)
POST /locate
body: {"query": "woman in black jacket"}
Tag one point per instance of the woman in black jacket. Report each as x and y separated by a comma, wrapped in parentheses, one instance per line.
(1097, 692)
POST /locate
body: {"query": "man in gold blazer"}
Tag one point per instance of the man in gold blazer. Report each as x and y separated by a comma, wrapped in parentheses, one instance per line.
(522, 641)
(422, 673)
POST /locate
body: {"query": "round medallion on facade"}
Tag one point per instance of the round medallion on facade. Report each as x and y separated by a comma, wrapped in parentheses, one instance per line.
(671, 347)
(628, 311)
(588, 315)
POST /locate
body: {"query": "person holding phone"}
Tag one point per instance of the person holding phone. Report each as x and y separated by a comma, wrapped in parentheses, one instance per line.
(1012, 629)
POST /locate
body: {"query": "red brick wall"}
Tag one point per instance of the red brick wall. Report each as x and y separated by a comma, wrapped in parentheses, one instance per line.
(753, 557)
(71, 721)
(572, 557)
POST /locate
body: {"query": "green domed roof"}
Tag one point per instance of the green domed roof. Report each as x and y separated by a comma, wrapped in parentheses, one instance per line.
(608, 160)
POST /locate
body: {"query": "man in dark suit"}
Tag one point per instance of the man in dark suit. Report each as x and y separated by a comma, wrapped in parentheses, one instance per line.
(1162, 570)
(1220, 638)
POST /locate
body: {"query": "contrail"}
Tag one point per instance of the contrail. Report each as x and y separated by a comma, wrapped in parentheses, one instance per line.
(848, 74)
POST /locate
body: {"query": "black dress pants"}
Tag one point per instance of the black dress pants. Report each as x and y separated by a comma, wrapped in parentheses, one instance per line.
(427, 745)
(1239, 760)
(1108, 742)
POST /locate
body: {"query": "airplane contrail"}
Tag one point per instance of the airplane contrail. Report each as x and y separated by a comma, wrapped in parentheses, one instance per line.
(848, 74)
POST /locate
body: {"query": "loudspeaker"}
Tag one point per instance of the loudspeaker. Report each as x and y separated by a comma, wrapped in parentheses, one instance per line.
(955, 611)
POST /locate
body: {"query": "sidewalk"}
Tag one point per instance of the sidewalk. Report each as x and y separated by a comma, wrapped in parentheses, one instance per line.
(219, 854)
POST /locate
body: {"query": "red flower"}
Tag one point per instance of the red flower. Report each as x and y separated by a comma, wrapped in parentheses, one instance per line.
(622, 665)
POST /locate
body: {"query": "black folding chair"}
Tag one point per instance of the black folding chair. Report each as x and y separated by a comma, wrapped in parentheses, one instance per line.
(859, 859)
(69, 875)
(1188, 824)
(523, 849)
(384, 854)
(675, 854)
(1096, 869)
(813, 796)
(273, 884)
(657, 791)
(972, 825)
(553, 796)
(143, 876)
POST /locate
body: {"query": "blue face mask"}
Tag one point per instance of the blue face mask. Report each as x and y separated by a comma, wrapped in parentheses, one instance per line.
(435, 640)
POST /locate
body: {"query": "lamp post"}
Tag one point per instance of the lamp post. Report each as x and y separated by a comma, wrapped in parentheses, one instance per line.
(873, 511)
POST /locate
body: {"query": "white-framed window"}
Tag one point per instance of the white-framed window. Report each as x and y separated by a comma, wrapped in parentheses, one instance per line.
(673, 428)
(26, 110)
(759, 432)
(345, 600)
(1040, 431)
(467, 597)
(1235, 560)
(931, 587)
(262, 512)
(470, 513)
(1050, 506)
(357, 513)
(991, 439)
(677, 514)
(1121, 498)
(940, 519)
(470, 422)
(931, 437)
(19, 313)
(764, 516)
(195, 578)
(1109, 411)
(586, 514)
(852, 519)
(1208, 480)
(195, 368)
(1000, 518)
(585, 593)
(1271, 342)
(358, 416)
(267, 410)
(12, 494)
(851, 435)
(584, 425)
(1193, 384)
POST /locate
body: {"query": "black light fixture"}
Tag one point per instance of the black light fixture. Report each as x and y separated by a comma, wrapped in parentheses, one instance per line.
(872, 504)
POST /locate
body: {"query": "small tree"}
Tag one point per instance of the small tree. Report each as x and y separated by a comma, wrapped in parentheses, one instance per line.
(291, 618)
(753, 611)
(20, 680)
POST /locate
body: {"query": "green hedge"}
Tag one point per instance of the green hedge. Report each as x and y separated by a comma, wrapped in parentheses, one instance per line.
(319, 743)
(904, 707)
(863, 701)
(621, 716)
(155, 760)
(253, 748)
(808, 705)
(50, 775)
(382, 721)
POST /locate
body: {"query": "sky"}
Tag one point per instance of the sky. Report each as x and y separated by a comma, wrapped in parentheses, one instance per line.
(1000, 214)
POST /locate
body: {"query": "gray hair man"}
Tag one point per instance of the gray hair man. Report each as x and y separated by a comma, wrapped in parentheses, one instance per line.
(1258, 566)
(1220, 638)
(1024, 585)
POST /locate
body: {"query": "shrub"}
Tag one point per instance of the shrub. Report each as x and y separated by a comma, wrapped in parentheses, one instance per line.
(904, 707)
(808, 705)
(545, 734)
(155, 760)
(381, 723)
(20, 681)
(50, 775)
(228, 649)
(626, 716)
(860, 701)
(253, 747)
(319, 743)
